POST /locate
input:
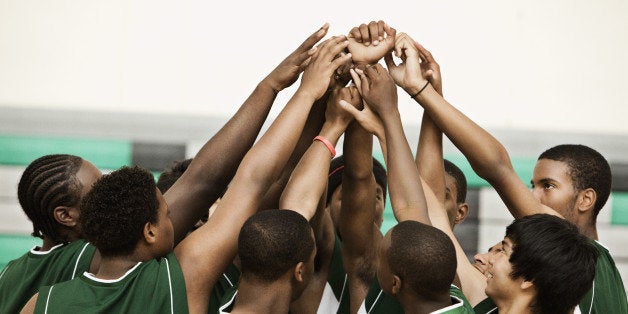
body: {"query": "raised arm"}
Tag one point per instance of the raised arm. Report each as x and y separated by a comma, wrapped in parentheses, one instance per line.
(486, 155)
(206, 252)
(215, 164)
(406, 192)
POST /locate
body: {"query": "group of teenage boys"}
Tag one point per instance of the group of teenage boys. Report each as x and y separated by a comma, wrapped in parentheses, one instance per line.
(293, 229)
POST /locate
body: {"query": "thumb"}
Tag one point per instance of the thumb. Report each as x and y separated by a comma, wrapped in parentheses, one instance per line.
(346, 106)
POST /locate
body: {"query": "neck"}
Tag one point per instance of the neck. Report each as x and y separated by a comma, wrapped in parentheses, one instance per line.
(589, 230)
(414, 304)
(115, 267)
(256, 297)
(516, 305)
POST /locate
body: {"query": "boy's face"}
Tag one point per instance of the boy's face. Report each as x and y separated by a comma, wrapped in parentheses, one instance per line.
(553, 187)
(481, 259)
(165, 231)
(451, 195)
(499, 284)
(384, 274)
(335, 204)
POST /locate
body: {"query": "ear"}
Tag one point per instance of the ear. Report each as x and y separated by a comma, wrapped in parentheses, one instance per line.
(67, 216)
(298, 271)
(525, 285)
(461, 213)
(149, 233)
(586, 200)
(396, 285)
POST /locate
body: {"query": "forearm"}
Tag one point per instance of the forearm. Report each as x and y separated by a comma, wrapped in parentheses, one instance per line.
(485, 154)
(429, 156)
(406, 192)
(313, 125)
(357, 214)
(309, 179)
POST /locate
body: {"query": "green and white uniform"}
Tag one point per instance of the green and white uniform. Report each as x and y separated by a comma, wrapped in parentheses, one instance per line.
(226, 282)
(336, 288)
(608, 294)
(379, 302)
(155, 286)
(23, 277)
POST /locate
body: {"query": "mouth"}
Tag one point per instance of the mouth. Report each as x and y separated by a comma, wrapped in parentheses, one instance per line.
(488, 275)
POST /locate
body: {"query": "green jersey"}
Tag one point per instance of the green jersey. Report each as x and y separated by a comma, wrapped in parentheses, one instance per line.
(336, 289)
(486, 306)
(608, 294)
(226, 282)
(379, 302)
(23, 277)
(155, 286)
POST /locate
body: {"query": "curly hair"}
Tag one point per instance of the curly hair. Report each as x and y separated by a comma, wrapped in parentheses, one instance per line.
(115, 211)
(172, 174)
(48, 182)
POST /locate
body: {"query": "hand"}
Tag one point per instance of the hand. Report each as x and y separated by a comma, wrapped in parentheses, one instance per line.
(287, 72)
(326, 59)
(335, 112)
(408, 73)
(430, 68)
(341, 76)
(369, 43)
(377, 89)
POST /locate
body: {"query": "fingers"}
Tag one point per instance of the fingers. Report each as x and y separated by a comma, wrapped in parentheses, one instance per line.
(364, 33)
(348, 107)
(375, 33)
(314, 38)
(355, 33)
(390, 63)
(425, 54)
(356, 79)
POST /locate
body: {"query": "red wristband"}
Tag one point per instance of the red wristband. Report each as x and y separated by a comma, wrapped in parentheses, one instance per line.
(327, 143)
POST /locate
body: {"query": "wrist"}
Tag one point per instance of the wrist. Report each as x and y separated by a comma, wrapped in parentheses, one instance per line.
(428, 92)
(329, 144)
(268, 84)
(305, 95)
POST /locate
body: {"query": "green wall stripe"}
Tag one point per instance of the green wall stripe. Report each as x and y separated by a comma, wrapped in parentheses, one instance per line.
(619, 212)
(14, 246)
(104, 153)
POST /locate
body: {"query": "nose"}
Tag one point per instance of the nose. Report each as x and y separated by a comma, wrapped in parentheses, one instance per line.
(536, 191)
(480, 258)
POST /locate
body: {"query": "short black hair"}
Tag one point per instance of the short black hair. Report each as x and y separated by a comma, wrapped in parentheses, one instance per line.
(169, 176)
(587, 169)
(551, 253)
(423, 257)
(115, 211)
(273, 241)
(459, 178)
(48, 182)
(336, 168)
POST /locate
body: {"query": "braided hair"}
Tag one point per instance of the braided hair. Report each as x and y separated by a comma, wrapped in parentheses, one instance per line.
(48, 182)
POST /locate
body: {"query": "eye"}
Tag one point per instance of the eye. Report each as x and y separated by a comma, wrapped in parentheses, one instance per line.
(548, 186)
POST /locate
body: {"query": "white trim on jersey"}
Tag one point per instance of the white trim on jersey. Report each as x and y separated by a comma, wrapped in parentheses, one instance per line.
(37, 252)
(451, 307)
(170, 286)
(329, 303)
(4, 270)
(92, 277)
(78, 259)
(48, 299)
(228, 303)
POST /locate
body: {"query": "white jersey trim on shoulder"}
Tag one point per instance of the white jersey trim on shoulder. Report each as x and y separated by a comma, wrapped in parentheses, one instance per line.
(78, 259)
(35, 250)
(94, 278)
(228, 303)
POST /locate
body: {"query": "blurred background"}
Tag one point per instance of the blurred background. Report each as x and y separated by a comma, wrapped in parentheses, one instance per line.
(148, 82)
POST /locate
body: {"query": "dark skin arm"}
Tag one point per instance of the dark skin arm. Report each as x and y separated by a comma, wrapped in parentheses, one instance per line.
(215, 164)
(206, 252)
(487, 156)
(305, 191)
